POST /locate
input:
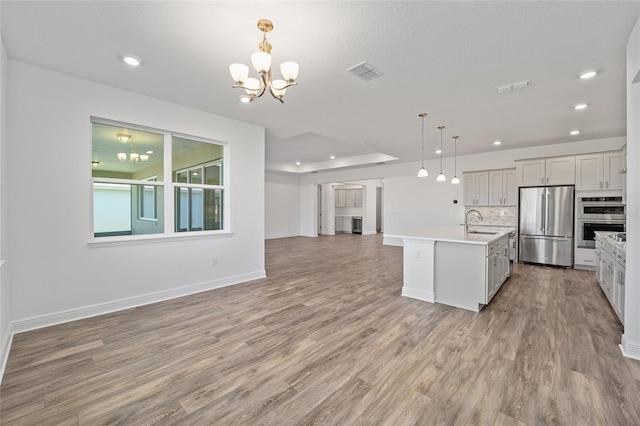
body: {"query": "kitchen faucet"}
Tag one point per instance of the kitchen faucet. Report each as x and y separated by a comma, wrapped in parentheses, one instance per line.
(466, 219)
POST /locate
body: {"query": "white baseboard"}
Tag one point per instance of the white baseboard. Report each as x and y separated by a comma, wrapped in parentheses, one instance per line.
(273, 237)
(4, 350)
(415, 293)
(47, 320)
(392, 240)
(629, 349)
(369, 232)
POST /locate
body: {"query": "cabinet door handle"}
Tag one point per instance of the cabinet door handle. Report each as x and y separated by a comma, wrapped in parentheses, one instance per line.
(600, 184)
(547, 179)
(607, 183)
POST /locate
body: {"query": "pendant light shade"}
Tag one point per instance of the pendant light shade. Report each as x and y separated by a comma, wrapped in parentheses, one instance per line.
(422, 172)
(441, 177)
(455, 179)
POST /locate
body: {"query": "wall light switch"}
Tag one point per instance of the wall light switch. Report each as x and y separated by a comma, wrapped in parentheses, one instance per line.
(501, 212)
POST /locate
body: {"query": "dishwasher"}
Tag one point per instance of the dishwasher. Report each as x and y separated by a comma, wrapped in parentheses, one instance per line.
(356, 224)
(512, 250)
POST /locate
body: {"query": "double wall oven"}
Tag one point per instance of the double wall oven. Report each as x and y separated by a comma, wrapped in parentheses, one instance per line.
(598, 214)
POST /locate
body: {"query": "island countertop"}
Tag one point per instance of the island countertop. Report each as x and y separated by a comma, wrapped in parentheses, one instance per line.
(456, 234)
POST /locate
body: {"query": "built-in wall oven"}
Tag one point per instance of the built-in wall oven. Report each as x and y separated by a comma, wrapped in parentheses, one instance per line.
(598, 214)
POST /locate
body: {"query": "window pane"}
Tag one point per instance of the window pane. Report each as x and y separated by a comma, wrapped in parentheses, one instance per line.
(199, 209)
(148, 202)
(121, 153)
(115, 210)
(182, 176)
(196, 175)
(192, 155)
(213, 174)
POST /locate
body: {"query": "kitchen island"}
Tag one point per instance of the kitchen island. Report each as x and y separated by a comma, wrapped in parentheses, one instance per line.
(450, 266)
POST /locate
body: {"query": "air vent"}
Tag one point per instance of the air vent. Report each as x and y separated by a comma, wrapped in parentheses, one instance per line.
(514, 86)
(365, 71)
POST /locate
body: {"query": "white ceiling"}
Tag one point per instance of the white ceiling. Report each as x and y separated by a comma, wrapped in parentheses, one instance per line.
(442, 58)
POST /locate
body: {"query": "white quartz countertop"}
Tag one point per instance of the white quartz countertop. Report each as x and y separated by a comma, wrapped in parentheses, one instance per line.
(455, 234)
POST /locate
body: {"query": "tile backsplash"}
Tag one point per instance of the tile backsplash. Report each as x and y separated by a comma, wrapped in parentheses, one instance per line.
(494, 215)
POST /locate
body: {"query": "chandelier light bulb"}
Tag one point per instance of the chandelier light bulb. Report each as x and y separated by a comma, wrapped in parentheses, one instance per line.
(261, 62)
(122, 157)
(144, 157)
(289, 71)
(441, 177)
(422, 172)
(455, 180)
(239, 73)
(252, 86)
(133, 157)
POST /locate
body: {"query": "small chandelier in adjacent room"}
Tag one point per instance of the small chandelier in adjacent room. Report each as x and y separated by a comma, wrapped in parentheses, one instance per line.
(422, 172)
(455, 179)
(441, 177)
(134, 157)
(261, 61)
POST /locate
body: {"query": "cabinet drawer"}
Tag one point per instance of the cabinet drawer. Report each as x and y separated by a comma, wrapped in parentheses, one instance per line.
(495, 246)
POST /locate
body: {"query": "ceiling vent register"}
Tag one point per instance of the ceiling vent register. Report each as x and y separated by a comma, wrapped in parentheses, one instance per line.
(514, 86)
(365, 71)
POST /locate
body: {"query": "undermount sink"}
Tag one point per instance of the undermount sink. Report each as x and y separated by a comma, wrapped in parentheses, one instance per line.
(482, 232)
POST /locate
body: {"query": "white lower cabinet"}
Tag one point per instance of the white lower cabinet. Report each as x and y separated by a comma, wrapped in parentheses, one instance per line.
(342, 224)
(497, 266)
(610, 269)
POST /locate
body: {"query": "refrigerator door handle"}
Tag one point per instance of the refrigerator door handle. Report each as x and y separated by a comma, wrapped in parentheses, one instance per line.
(543, 209)
(546, 210)
(543, 237)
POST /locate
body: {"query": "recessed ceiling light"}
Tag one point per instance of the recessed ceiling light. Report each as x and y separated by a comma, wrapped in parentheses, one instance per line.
(588, 74)
(574, 132)
(132, 60)
(149, 152)
(371, 143)
(438, 151)
(245, 99)
(333, 157)
(297, 163)
(497, 142)
(580, 106)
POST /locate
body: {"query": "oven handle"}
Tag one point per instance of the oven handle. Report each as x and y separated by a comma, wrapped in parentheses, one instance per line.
(605, 222)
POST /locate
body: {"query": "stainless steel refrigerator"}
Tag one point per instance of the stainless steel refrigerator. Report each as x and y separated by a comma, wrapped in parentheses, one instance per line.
(546, 225)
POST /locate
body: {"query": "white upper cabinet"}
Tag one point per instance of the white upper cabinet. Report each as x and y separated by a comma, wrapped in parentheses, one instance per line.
(503, 189)
(546, 171)
(348, 197)
(599, 171)
(476, 188)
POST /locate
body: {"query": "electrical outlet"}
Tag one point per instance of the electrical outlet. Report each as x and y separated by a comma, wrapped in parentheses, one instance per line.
(214, 261)
(419, 254)
(501, 212)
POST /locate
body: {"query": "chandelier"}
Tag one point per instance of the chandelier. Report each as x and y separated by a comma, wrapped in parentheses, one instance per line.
(261, 61)
(134, 157)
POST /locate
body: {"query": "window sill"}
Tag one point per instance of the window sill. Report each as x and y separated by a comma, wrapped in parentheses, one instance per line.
(156, 238)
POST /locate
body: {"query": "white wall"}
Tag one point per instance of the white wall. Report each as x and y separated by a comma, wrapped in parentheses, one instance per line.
(631, 336)
(282, 205)
(55, 275)
(5, 291)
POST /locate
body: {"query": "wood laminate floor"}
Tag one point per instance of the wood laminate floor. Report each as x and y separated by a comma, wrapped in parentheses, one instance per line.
(327, 339)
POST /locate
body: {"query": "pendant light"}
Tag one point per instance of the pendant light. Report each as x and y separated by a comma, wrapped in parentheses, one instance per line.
(441, 177)
(422, 172)
(455, 179)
